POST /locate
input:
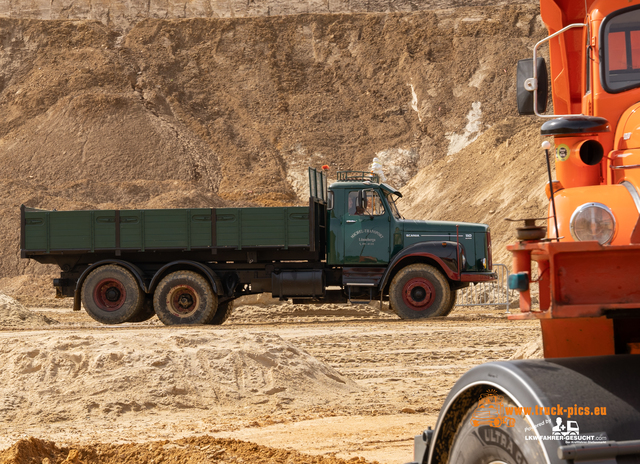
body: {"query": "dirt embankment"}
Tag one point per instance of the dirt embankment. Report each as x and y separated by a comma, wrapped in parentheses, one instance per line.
(212, 112)
(203, 112)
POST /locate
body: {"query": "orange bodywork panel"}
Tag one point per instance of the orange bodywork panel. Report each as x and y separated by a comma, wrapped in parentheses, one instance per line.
(616, 197)
(565, 53)
(564, 338)
(579, 279)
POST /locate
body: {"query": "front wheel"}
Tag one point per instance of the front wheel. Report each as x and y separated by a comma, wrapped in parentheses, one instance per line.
(419, 291)
(487, 443)
(452, 302)
(184, 298)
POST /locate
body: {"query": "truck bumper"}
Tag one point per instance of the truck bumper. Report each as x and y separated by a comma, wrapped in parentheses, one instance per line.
(478, 276)
(577, 279)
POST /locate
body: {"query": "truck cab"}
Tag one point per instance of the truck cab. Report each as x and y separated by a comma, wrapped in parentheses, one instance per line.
(366, 227)
(373, 243)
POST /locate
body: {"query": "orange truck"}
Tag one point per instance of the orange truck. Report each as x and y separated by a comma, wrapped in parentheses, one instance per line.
(585, 264)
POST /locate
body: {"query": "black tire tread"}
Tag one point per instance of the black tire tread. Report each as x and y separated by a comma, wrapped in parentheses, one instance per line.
(452, 302)
(115, 317)
(145, 312)
(424, 270)
(222, 313)
(193, 278)
(467, 447)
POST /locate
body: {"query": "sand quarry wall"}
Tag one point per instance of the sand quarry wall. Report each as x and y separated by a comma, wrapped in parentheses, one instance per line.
(123, 14)
(210, 112)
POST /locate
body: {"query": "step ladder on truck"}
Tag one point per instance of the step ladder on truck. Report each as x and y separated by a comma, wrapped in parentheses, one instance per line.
(581, 403)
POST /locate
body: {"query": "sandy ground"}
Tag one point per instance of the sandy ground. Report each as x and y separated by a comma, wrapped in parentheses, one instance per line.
(337, 381)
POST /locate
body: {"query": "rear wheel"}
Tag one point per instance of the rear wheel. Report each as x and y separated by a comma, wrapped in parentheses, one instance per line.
(184, 298)
(419, 291)
(111, 294)
(504, 443)
(222, 313)
(145, 313)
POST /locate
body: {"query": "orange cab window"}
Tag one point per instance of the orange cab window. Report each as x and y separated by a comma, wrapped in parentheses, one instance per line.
(635, 49)
(617, 51)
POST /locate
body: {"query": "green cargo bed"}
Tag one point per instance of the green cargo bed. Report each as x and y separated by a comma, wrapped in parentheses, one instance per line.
(163, 229)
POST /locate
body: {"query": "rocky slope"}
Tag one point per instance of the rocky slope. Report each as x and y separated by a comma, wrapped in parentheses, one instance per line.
(501, 175)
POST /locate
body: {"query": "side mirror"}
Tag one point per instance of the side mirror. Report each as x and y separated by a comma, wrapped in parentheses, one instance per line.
(525, 96)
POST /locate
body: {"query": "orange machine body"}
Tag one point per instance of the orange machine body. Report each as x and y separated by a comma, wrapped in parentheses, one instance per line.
(590, 292)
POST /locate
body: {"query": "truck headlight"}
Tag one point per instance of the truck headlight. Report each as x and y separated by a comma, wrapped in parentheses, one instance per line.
(593, 221)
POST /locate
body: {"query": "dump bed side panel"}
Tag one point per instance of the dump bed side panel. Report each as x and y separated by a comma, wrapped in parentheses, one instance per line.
(182, 229)
(69, 230)
(251, 227)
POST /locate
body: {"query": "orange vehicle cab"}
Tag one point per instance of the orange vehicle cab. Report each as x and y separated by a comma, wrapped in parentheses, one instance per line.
(587, 274)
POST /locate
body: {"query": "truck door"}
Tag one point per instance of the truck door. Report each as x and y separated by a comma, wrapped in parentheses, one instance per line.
(366, 229)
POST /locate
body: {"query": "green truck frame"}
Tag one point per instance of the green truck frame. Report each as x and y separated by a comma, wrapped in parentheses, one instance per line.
(350, 244)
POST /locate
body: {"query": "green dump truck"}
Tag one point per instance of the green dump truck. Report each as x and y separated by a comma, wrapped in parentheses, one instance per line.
(188, 265)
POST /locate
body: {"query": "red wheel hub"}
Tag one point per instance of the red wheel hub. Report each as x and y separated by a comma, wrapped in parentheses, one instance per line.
(183, 300)
(109, 295)
(418, 293)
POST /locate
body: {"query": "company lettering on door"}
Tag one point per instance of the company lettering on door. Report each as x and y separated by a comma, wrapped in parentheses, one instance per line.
(366, 240)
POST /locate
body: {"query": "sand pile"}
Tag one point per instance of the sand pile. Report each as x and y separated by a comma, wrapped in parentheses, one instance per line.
(287, 312)
(34, 291)
(140, 384)
(530, 350)
(186, 451)
(105, 376)
(14, 314)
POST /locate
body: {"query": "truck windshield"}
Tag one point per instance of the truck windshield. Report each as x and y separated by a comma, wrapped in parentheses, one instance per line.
(621, 49)
(392, 206)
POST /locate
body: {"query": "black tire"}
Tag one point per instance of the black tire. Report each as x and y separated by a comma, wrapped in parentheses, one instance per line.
(419, 291)
(184, 298)
(486, 444)
(111, 294)
(452, 302)
(145, 313)
(222, 313)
